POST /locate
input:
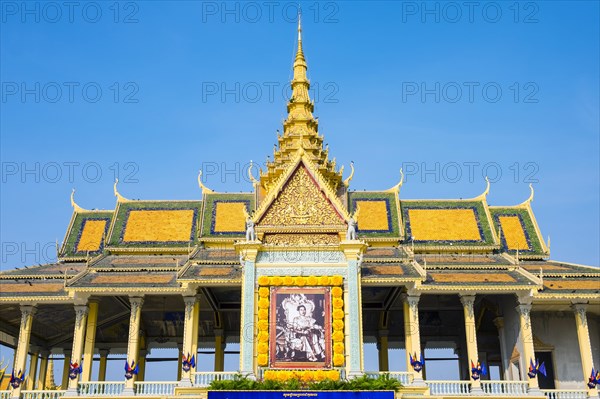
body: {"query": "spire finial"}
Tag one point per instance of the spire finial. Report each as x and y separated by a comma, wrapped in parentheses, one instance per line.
(299, 24)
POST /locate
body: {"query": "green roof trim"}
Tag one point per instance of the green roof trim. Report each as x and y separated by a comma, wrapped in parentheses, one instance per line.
(392, 212)
(120, 222)
(533, 240)
(69, 248)
(478, 208)
(210, 209)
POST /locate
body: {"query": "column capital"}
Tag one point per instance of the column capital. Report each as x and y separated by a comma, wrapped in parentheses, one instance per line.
(190, 300)
(45, 353)
(524, 299)
(28, 310)
(411, 297)
(353, 249)
(524, 309)
(467, 300)
(248, 250)
(136, 300)
(103, 352)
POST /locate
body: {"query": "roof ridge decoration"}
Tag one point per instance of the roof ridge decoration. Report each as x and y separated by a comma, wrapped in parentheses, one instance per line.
(120, 198)
(529, 200)
(484, 194)
(76, 208)
(396, 189)
(349, 178)
(205, 190)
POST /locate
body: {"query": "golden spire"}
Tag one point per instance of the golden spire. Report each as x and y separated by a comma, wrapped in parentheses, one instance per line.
(300, 128)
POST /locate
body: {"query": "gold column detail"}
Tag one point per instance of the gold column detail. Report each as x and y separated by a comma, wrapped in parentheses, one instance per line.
(142, 362)
(585, 347)
(41, 380)
(33, 365)
(102, 365)
(196, 318)
(81, 312)
(133, 345)
(189, 321)
(20, 361)
(90, 341)
(65, 374)
(219, 350)
(468, 302)
(526, 336)
(382, 349)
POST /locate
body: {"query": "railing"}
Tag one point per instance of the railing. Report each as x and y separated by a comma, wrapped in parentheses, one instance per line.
(41, 394)
(155, 387)
(104, 388)
(4, 394)
(505, 388)
(404, 377)
(449, 387)
(565, 393)
(204, 378)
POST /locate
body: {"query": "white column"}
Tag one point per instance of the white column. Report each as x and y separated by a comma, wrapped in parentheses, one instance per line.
(81, 312)
(133, 344)
(471, 334)
(20, 362)
(412, 334)
(188, 337)
(526, 337)
(585, 346)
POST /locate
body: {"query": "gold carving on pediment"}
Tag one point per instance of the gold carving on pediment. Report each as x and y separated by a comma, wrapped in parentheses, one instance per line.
(301, 239)
(301, 203)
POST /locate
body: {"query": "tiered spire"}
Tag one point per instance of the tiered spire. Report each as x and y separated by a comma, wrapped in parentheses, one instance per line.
(300, 129)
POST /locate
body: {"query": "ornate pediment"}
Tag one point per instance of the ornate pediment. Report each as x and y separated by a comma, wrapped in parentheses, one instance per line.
(302, 205)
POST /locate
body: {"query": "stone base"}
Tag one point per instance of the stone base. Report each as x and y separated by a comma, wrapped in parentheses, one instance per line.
(71, 392)
(128, 391)
(185, 382)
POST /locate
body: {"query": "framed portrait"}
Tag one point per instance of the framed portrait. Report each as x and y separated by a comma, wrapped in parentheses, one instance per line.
(300, 327)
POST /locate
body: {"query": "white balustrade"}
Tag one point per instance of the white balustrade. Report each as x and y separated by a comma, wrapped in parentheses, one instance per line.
(505, 388)
(404, 377)
(47, 394)
(449, 387)
(204, 378)
(565, 393)
(4, 394)
(101, 388)
(155, 388)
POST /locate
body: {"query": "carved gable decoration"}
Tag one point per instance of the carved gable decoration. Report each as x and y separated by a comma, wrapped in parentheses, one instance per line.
(301, 203)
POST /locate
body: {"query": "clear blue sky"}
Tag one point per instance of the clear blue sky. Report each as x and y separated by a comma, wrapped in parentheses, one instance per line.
(376, 65)
(189, 84)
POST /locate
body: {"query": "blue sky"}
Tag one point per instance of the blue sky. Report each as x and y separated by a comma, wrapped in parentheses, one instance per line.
(154, 91)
